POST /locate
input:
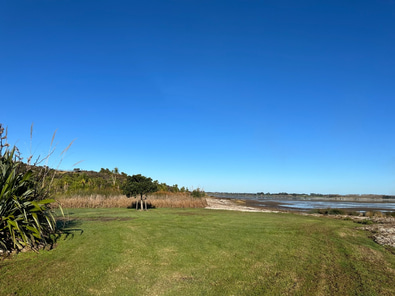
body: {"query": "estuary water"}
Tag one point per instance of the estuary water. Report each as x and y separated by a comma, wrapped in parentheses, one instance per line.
(305, 204)
(320, 204)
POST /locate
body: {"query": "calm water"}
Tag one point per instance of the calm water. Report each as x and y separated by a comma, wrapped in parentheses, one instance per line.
(316, 203)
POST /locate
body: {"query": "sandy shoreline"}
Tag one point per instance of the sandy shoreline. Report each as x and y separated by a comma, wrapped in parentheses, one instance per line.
(234, 205)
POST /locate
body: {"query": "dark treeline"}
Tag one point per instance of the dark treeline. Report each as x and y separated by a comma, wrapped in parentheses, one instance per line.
(298, 195)
(326, 195)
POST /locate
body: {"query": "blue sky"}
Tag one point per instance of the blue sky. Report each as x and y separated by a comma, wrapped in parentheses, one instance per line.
(236, 96)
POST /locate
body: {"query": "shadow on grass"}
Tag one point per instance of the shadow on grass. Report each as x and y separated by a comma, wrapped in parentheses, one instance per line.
(133, 205)
(67, 229)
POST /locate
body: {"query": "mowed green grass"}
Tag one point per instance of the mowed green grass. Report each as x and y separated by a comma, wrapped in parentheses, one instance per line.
(203, 252)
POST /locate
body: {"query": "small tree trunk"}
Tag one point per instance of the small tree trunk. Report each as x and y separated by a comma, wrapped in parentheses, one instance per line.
(145, 201)
(142, 205)
(137, 204)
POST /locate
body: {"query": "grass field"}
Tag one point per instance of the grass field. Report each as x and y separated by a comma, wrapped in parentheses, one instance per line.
(203, 252)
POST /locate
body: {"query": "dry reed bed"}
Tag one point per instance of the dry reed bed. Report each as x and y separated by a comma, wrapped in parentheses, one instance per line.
(121, 201)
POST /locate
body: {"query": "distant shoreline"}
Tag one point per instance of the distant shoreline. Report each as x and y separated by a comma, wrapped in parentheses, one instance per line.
(296, 196)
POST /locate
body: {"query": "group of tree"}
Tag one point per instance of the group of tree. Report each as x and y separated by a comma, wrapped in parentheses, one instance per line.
(105, 182)
(79, 182)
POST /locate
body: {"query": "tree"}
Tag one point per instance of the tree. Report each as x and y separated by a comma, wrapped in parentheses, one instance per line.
(138, 185)
(198, 193)
(114, 174)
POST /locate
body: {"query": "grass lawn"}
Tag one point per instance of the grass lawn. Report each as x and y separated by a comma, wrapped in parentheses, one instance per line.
(203, 252)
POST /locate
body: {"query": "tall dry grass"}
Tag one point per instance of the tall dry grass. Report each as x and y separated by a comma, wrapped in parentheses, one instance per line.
(156, 200)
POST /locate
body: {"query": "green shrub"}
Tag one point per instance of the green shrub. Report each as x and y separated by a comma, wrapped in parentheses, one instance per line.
(390, 214)
(26, 220)
(353, 213)
(365, 222)
(328, 211)
(336, 212)
(198, 193)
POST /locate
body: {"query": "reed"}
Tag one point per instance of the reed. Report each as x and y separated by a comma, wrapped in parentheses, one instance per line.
(156, 200)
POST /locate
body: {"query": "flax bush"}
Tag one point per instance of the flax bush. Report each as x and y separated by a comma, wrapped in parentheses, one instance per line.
(26, 220)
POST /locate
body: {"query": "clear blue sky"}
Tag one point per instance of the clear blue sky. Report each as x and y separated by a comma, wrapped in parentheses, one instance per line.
(237, 96)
